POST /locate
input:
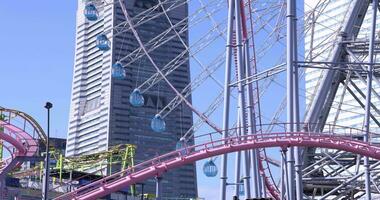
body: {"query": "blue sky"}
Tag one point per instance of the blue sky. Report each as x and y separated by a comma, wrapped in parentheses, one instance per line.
(37, 56)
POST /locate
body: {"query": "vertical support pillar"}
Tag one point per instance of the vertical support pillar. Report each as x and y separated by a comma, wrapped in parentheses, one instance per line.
(158, 188)
(286, 171)
(296, 112)
(290, 104)
(237, 164)
(251, 122)
(283, 178)
(237, 173)
(242, 95)
(256, 179)
(226, 106)
(368, 96)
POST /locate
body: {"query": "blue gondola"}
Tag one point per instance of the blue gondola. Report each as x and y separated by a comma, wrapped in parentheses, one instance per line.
(118, 71)
(158, 124)
(181, 145)
(102, 42)
(90, 12)
(210, 169)
(136, 98)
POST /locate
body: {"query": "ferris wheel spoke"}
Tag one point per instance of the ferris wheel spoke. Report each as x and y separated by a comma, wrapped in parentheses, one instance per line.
(193, 85)
(210, 110)
(181, 58)
(215, 27)
(147, 16)
(216, 103)
(211, 18)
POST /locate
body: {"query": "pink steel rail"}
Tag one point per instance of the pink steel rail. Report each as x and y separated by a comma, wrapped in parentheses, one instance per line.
(16, 134)
(348, 142)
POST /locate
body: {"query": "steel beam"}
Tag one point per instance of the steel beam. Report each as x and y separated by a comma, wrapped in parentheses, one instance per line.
(283, 178)
(237, 163)
(237, 173)
(347, 182)
(251, 122)
(241, 93)
(226, 106)
(368, 97)
(361, 104)
(296, 111)
(291, 5)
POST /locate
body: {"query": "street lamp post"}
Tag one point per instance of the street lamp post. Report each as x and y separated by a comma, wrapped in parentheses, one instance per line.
(45, 186)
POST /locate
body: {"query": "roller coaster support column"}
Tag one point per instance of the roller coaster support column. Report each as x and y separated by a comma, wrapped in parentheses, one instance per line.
(282, 184)
(296, 112)
(368, 96)
(242, 95)
(237, 173)
(290, 92)
(158, 188)
(251, 121)
(237, 164)
(223, 176)
(45, 185)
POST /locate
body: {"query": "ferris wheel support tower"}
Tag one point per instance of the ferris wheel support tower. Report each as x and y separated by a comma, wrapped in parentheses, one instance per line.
(339, 58)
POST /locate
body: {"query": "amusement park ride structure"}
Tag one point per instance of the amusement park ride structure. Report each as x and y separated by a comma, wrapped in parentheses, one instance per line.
(307, 170)
(19, 133)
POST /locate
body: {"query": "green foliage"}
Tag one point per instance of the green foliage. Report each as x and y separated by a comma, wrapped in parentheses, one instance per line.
(2, 118)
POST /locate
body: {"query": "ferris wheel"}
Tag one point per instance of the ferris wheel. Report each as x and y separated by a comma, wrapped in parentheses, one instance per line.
(237, 53)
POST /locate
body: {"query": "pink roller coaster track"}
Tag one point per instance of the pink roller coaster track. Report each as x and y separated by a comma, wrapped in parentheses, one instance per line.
(16, 139)
(176, 159)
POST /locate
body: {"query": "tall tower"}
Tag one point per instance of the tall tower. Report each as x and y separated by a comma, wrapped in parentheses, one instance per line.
(101, 115)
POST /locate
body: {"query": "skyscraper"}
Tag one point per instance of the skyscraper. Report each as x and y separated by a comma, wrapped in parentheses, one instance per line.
(101, 115)
(325, 19)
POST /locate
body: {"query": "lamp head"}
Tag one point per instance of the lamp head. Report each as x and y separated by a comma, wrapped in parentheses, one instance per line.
(48, 105)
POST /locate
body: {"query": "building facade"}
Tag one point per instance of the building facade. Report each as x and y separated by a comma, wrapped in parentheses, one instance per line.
(100, 113)
(324, 21)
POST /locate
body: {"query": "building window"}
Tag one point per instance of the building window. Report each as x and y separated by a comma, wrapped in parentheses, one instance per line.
(91, 105)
